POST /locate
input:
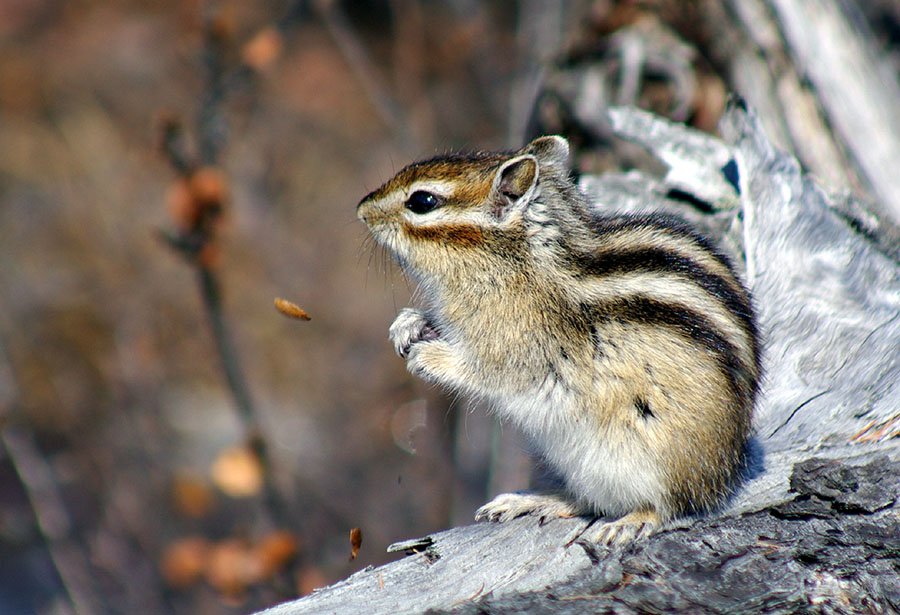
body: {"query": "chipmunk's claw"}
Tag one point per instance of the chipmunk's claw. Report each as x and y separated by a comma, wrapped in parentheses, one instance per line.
(508, 506)
(410, 326)
(631, 527)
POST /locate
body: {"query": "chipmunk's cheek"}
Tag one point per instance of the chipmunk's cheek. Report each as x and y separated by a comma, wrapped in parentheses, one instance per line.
(388, 236)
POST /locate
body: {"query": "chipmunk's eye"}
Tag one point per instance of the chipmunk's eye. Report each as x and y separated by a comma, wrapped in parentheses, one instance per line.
(421, 202)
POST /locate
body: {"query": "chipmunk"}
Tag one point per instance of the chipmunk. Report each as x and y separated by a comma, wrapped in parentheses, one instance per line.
(624, 346)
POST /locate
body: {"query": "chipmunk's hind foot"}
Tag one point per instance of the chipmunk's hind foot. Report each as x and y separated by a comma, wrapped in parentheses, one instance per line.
(633, 526)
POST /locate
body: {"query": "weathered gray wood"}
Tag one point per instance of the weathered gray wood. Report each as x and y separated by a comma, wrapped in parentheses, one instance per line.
(763, 72)
(857, 88)
(816, 283)
(823, 552)
(823, 87)
(801, 532)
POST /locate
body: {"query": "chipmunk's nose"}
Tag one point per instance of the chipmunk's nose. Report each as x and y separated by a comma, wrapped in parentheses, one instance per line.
(364, 209)
(373, 208)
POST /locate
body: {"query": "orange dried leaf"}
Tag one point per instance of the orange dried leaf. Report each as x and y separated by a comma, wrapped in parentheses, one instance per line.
(222, 26)
(276, 550)
(232, 567)
(197, 200)
(184, 561)
(355, 542)
(291, 310)
(238, 472)
(209, 187)
(878, 432)
(181, 205)
(261, 51)
(192, 497)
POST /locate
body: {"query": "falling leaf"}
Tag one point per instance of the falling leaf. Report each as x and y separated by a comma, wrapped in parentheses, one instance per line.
(238, 472)
(355, 542)
(291, 310)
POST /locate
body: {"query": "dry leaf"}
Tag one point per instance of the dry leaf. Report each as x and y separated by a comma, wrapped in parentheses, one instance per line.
(180, 204)
(198, 199)
(238, 472)
(276, 550)
(878, 432)
(232, 567)
(263, 49)
(191, 496)
(209, 187)
(290, 309)
(355, 542)
(184, 561)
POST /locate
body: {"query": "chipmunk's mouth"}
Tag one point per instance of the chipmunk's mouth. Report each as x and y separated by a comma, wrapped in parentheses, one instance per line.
(429, 333)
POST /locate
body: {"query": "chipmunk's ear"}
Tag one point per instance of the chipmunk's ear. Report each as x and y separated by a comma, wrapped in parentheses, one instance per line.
(514, 184)
(552, 151)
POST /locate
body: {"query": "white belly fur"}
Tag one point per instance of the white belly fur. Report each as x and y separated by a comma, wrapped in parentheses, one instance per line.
(610, 472)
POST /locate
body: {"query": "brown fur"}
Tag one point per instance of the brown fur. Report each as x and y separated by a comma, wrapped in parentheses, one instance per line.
(470, 172)
(455, 235)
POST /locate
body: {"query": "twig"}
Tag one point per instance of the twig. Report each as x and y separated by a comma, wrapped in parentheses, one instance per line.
(211, 128)
(197, 216)
(355, 54)
(195, 240)
(234, 376)
(50, 513)
(174, 146)
(53, 520)
(212, 301)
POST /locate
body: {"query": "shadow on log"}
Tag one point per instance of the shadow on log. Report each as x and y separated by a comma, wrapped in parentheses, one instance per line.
(817, 526)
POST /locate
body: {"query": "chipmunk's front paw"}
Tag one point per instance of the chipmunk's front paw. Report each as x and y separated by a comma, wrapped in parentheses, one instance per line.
(410, 327)
(509, 506)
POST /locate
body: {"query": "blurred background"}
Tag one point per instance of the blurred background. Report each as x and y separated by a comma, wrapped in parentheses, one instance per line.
(170, 441)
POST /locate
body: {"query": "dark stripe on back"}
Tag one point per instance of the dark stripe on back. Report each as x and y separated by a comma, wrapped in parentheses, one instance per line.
(602, 224)
(737, 303)
(691, 326)
(659, 260)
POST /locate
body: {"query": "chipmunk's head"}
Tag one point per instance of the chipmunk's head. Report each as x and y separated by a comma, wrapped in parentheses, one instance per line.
(463, 203)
